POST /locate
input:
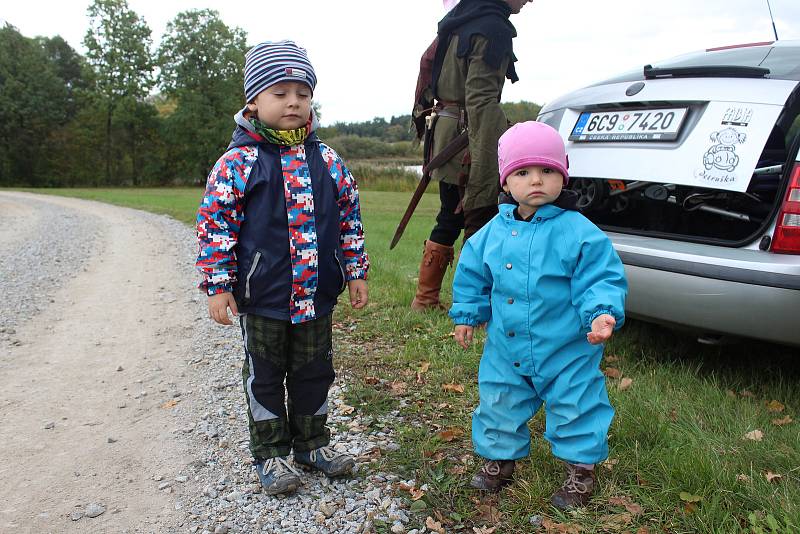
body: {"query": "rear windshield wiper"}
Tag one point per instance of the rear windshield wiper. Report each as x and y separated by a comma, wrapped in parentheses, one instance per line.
(707, 71)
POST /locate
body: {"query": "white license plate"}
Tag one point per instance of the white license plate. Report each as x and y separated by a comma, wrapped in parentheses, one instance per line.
(633, 125)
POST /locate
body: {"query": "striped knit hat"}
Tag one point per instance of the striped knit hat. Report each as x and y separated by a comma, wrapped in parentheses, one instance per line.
(271, 62)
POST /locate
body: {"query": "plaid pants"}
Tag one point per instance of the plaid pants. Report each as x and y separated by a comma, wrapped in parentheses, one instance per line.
(301, 356)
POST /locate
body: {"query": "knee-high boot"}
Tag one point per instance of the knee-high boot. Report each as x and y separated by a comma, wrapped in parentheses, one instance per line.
(435, 259)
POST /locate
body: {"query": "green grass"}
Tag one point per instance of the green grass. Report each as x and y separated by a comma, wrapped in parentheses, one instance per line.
(679, 428)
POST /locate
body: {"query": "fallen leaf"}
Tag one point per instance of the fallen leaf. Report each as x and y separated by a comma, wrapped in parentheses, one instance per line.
(782, 421)
(747, 394)
(688, 497)
(612, 372)
(775, 406)
(443, 406)
(398, 388)
(450, 434)
(771, 477)
(484, 530)
(371, 380)
(405, 487)
(611, 358)
(442, 519)
(416, 494)
(616, 521)
(170, 403)
(673, 415)
(755, 435)
(629, 505)
(743, 478)
(346, 410)
(730, 393)
(457, 470)
(420, 379)
(625, 383)
(489, 513)
(434, 525)
(560, 528)
(424, 366)
(438, 457)
(689, 507)
(453, 388)
(643, 530)
(610, 463)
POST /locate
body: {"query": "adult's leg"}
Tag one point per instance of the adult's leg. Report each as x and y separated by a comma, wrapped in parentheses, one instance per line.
(448, 223)
(438, 251)
(475, 219)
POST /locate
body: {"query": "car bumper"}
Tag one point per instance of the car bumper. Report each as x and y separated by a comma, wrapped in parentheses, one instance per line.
(736, 292)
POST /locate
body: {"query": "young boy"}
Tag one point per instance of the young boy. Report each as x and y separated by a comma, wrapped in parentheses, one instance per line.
(541, 276)
(280, 238)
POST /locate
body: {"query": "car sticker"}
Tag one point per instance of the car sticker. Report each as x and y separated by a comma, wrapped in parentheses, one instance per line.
(737, 116)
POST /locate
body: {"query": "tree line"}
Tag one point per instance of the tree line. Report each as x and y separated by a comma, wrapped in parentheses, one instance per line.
(125, 114)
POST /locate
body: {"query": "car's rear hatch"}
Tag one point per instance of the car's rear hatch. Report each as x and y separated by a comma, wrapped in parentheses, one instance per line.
(698, 148)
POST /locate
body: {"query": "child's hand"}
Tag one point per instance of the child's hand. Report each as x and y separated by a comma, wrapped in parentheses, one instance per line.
(358, 293)
(218, 307)
(463, 334)
(602, 328)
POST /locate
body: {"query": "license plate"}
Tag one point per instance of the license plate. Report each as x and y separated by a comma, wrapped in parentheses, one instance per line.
(633, 125)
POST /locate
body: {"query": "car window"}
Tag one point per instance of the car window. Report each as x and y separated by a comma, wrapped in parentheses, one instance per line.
(794, 131)
(783, 62)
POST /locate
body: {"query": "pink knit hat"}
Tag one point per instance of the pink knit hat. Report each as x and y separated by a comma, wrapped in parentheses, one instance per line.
(531, 143)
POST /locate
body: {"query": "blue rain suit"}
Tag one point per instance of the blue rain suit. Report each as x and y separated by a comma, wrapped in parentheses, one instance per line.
(539, 285)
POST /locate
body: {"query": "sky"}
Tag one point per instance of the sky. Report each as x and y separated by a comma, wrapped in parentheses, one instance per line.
(366, 52)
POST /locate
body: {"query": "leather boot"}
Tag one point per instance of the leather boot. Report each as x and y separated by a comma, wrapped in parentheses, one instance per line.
(576, 490)
(435, 259)
(494, 475)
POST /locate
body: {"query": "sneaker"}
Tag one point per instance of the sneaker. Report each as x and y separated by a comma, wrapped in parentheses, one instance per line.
(494, 475)
(576, 490)
(327, 460)
(277, 476)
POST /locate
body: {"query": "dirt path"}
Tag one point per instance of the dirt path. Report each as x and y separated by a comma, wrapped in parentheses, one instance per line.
(84, 395)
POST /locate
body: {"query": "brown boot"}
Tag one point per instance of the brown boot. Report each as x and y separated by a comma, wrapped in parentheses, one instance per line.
(493, 475)
(435, 260)
(576, 490)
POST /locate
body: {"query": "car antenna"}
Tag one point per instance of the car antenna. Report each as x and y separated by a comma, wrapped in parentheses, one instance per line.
(773, 20)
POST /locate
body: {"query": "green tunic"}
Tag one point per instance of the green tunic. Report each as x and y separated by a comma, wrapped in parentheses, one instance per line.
(471, 83)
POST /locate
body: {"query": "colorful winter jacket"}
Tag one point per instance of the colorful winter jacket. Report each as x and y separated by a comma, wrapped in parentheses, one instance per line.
(280, 227)
(539, 285)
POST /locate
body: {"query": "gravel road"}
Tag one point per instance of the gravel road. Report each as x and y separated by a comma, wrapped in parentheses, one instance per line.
(120, 402)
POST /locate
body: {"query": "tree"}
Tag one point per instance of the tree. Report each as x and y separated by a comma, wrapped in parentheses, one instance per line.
(201, 61)
(71, 67)
(32, 104)
(520, 111)
(118, 43)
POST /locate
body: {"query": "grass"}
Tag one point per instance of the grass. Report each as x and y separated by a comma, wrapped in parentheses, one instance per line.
(679, 459)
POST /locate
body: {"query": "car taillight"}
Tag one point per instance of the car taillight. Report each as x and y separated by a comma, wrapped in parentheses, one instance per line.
(786, 238)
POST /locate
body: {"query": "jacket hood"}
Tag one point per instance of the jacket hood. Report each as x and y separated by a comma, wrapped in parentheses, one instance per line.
(245, 134)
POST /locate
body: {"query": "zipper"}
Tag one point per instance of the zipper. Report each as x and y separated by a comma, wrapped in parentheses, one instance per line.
(341, 271)
(256, 258)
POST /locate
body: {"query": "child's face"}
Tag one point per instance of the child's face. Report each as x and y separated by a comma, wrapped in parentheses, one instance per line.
(283, 106)
(534, 186)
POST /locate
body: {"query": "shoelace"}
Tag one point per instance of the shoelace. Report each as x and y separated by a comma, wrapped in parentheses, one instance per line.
(492, 468)
(281, 467)
(573, 485)
(327, 454)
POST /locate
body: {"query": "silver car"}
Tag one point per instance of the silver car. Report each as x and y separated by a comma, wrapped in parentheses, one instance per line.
(691, 166)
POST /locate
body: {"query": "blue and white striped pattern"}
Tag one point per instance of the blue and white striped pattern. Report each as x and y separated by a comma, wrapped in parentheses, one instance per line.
(271, 62)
